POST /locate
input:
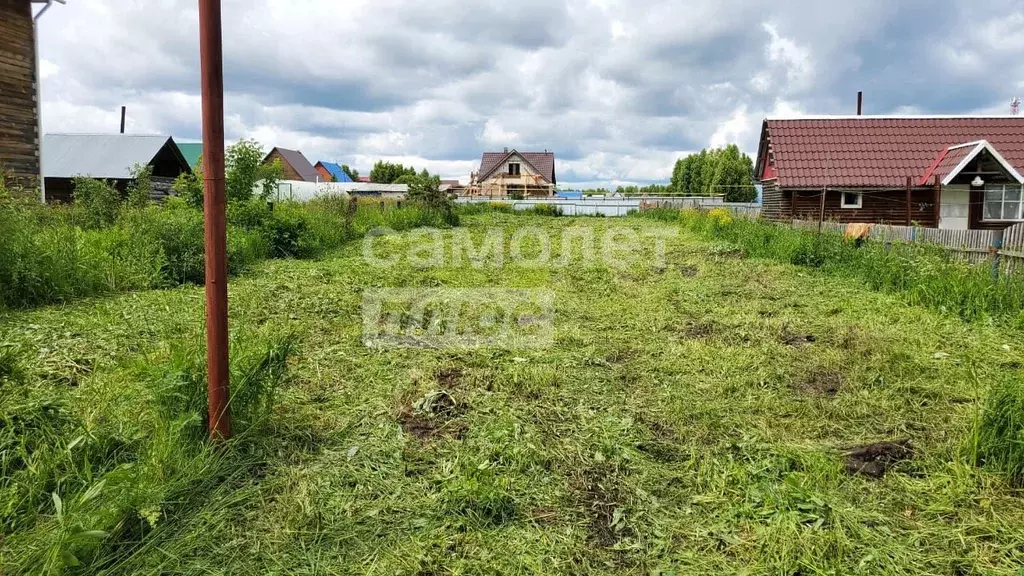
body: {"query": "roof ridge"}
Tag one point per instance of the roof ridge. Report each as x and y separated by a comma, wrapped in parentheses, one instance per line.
(895, 117)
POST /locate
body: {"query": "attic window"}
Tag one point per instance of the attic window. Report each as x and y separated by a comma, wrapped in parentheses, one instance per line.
(853, 200)
(513, 169)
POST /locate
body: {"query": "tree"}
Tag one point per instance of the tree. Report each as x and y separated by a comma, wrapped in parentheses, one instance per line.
(140, 189)
(189, 186)
(389, 172)
(244, 172)
(353, 174)
(244, 169)
(725, 171)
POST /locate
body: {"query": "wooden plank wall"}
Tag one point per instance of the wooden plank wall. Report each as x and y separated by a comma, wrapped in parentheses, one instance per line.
(19, 155)
(289, 172)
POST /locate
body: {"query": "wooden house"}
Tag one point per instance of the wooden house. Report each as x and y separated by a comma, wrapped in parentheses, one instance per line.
(296, 166)
(331, 172)
(950, 172)
(514, 173)
(19, 131)
(108, 157)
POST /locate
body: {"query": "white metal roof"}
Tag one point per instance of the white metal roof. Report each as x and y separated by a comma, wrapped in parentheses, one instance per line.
(97, 155)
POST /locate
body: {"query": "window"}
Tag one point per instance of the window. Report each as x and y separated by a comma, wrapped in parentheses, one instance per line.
(853, 200)
(513, 169)
(1003, 202)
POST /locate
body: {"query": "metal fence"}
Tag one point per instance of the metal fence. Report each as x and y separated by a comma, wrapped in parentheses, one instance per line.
(1003, 248)
(621, 206)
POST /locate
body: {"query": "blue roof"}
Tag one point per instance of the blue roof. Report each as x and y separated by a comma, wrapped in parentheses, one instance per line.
(336, 171)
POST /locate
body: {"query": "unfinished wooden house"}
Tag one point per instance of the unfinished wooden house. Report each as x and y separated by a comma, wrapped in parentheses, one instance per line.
(19, 132)
(511, 174)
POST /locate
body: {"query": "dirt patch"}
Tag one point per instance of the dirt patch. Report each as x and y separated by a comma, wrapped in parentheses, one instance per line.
(663, 445)
(435, 414)
(794, 338)
(822, 382)
(697, 329)
(874, 460)
(449, 377)
(600, 493)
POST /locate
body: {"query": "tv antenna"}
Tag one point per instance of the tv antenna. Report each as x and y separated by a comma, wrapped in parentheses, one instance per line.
(1015, 106)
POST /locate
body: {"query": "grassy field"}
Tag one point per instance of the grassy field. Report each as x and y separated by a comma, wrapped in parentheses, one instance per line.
(691, 418)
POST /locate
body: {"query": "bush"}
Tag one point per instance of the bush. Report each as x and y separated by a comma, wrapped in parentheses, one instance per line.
(546, 210)
(98, 202)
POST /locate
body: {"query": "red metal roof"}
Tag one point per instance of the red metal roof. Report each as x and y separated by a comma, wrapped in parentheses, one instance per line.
(881, 152)
(542, 162)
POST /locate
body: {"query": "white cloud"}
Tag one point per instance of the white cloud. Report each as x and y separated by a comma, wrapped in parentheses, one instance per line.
(617, 88)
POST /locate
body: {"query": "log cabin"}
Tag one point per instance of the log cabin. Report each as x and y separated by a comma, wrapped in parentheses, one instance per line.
(19, 119)
(295, 166)
(949, 172)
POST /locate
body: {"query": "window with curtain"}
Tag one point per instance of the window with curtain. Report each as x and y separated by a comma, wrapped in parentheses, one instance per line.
(1003, 202)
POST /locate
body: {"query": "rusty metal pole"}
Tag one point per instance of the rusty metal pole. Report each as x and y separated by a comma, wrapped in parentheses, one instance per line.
(212, 72)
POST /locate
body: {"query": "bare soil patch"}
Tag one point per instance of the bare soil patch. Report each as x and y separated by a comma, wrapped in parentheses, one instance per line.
(822, 382)
(875, 460)
(433, 415)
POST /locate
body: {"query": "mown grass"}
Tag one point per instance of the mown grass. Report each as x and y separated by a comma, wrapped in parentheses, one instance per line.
(690, 418)
(927, 275)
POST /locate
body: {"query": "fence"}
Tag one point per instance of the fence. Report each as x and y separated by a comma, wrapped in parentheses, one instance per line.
(1003, 248)
(622, 206)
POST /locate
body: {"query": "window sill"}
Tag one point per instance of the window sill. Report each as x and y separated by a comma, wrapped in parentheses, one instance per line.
(851, 207)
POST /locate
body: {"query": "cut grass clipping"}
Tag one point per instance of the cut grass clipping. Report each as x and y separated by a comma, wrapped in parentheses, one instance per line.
(80, 492)
(712, 412)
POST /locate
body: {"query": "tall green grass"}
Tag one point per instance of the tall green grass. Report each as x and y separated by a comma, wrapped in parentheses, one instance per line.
(99, 246)
(997, 440)
(924, 273)
(82, 490)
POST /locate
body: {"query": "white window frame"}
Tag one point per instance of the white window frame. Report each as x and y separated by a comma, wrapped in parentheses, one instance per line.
(1003, 187)
(858, 205)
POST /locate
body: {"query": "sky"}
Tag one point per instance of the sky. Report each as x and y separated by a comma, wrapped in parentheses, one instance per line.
(617, 89)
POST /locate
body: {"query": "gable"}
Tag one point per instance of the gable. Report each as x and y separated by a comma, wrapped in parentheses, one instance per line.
(537, 163)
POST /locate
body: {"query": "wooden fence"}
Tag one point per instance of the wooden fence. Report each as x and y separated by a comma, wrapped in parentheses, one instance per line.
(1004, 248)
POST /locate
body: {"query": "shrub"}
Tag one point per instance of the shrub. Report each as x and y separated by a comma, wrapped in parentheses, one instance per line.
(546, 210)
(98, 202)
(140, 190)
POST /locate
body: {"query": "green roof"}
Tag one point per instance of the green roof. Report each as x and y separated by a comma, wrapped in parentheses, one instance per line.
(192, 151)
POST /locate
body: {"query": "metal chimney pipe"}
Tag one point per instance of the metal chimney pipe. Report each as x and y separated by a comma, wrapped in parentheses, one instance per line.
(124, 113)
(860, 103)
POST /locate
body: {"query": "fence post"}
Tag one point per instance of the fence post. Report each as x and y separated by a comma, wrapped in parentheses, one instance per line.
(995, 250)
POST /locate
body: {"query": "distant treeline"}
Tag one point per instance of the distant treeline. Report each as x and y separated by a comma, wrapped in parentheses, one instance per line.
(710, 172)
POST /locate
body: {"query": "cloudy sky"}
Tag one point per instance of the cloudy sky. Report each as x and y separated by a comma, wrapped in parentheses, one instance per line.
(617, 88)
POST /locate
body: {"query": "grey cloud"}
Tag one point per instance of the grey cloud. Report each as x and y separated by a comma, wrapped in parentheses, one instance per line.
(605, 84)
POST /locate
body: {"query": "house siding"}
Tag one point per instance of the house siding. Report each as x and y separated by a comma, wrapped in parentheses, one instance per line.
(19, 129)
(878, 207)
(774, 204)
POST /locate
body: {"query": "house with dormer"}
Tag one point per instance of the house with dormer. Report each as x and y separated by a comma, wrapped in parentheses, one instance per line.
(514, 174)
